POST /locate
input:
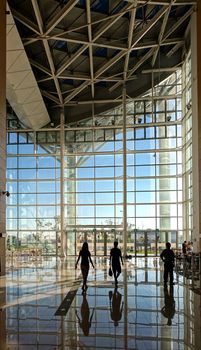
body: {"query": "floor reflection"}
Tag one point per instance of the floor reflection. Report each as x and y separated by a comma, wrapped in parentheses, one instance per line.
(116, 306)
(140, 314)
(85, 319)
(168, 310)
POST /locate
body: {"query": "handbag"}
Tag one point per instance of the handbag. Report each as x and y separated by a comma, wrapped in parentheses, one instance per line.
(110, 273)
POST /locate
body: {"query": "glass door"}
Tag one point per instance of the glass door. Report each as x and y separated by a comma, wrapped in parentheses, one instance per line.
(145, 243)
(140, 243)
(84, 234)
(151, 243)
(101, 242)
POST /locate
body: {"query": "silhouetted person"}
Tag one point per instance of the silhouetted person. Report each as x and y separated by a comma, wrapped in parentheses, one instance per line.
(85, 321)
(115, 261)
(184, 247)
(116, 306)
(168, 309)
(168, 258)
(85, 256)
(189, 253)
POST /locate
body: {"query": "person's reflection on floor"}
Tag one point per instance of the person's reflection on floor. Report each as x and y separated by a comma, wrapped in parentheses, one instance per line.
(116, 306)
(168, 309)
(86, 319)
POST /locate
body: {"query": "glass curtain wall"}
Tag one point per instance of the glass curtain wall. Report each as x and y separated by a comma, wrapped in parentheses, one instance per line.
(33, 180)
(187, 149)
(94, 183)
(93, 174)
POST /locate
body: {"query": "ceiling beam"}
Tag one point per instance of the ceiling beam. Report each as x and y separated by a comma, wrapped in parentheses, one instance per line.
(77, 77)
(148, 26)
(159, 70)
(90, 40)
(104, 101)
(82, 77)
(130, 38)
(140, 62)
(137, 65)
(151, 44)
(166, 2)
(109, 23)
(84, 47)
(29, 41)
(50, 96)
(178, 23)
(140, 3)
(108, 64)
(161, 33)
(24, 20)
(138, 46)
(100, 71)
(60, 15)
(84, 42)
(115, 59)
(90, 47)
(40, 67)
(174, 49)
(76, 91)
(71, 59)
(42, 80)
(47, 48)
(38, 15)
(138, 37)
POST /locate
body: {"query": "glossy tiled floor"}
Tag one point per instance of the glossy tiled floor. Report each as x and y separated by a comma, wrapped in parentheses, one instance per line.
(140, 314)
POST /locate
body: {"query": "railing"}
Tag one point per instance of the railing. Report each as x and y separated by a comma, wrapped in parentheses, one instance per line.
(189, 266)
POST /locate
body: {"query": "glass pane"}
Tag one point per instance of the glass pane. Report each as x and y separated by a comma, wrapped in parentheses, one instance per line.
(27, 162)
(145, 184)
(11, 162)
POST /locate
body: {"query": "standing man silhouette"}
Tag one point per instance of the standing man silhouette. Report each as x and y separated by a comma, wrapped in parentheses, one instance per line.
(115, 261)
(168, 258)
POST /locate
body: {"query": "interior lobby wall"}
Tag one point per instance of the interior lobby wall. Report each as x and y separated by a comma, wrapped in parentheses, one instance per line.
(2, 167)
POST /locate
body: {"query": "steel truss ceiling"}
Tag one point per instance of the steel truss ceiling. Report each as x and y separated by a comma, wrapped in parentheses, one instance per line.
(83, 51)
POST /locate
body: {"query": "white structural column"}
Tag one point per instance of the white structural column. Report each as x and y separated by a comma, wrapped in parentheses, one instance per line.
(2, 133)
(164, 196)
(195, 132)
(62, 216)
(125, 225)
(124, 175)
(196, 153)
(70, 211)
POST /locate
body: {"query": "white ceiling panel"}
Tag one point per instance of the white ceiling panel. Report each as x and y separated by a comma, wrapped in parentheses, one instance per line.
(21, 63)
(23, 93)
